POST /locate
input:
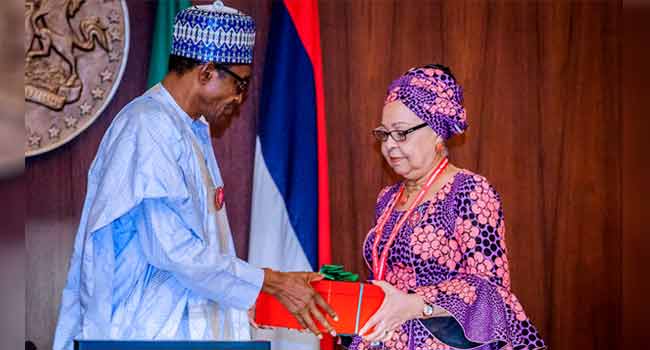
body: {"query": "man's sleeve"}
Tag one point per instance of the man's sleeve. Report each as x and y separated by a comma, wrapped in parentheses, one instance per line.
(170, 245)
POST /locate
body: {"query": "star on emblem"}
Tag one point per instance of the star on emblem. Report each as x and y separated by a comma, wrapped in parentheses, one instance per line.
(34, 140)
(54, 132)
(115, 34)
(85, 108)
(70, 122)
(114, 56)
(98, 93)
(106, 75)
(114, 17)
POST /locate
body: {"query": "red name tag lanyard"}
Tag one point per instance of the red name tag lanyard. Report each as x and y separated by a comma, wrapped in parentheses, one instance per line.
(379, 265)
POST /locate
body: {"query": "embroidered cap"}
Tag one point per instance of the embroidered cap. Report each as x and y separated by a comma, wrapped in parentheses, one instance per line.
(214, 33)
(433, 94)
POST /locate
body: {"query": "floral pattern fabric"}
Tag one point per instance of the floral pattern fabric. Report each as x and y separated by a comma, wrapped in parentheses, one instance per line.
(452, 252)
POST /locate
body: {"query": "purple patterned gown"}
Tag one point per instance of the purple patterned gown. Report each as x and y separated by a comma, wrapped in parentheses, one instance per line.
(452, 252)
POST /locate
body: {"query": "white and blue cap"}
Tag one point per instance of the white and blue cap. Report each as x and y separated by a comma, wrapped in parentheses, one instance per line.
(214, 33)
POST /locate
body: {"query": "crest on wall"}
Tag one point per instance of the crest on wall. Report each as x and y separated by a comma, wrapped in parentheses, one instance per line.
(75, 55)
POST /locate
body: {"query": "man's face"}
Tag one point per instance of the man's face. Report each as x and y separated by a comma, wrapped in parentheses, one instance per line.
(220, 94)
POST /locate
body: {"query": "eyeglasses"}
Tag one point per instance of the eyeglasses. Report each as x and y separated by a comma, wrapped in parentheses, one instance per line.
(241, 83)
(397, 135)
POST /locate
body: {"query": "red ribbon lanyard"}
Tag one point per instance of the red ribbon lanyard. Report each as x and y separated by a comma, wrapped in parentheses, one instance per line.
(378, 266)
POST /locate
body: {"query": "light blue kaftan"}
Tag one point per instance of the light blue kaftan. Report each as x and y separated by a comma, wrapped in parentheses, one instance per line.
(153, 258)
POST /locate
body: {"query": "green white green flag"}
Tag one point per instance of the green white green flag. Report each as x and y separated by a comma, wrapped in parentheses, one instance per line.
(162, 38)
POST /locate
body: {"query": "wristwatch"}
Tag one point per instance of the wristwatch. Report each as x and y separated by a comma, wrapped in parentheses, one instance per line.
(428, 310)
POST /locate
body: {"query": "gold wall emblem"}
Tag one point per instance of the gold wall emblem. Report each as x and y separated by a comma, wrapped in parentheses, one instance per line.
(76, 52)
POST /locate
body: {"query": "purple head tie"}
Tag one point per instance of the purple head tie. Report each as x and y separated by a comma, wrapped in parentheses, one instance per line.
(434, 97)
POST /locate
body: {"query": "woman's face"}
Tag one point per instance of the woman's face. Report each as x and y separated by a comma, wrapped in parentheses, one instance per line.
(414, 157)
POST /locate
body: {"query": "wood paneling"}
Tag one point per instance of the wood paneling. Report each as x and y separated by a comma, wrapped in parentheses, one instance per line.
(12, 263)
(635, 160)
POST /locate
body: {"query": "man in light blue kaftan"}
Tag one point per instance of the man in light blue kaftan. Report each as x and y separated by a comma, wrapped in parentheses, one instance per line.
(153, 257)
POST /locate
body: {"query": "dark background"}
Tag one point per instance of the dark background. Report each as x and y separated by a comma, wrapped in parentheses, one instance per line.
(555, 93)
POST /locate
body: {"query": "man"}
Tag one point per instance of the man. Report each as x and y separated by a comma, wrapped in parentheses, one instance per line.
(153, 257)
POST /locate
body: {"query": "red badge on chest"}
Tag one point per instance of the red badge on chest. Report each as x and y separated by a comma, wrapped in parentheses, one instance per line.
(218, 198)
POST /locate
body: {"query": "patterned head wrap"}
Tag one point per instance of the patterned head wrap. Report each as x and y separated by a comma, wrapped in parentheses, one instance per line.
(214, 33)
(431, 92)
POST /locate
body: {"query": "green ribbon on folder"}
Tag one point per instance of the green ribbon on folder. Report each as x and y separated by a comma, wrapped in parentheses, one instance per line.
(338, 273)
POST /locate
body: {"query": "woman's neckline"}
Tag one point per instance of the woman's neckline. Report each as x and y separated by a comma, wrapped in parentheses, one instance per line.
(451, 180)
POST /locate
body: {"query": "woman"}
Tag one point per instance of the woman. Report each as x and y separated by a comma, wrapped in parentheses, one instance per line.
(441, 255)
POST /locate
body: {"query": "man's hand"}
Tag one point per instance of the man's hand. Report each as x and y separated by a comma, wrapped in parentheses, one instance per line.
(293, 290)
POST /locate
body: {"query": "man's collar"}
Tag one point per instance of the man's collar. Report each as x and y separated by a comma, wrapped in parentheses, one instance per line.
(184, 116)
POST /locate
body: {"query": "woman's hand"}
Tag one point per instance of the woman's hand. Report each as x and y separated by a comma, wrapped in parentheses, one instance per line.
(251, 319)
(397, 308)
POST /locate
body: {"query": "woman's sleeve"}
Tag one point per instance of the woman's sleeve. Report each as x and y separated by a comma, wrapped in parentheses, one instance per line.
(478, 296)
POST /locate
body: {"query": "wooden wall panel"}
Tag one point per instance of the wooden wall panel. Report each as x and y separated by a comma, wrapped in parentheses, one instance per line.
(12, 263)
(635, 160)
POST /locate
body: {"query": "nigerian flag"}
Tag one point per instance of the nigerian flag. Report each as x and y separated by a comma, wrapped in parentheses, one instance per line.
(162, 38)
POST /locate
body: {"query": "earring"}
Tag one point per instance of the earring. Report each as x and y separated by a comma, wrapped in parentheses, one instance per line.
(439, 148)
